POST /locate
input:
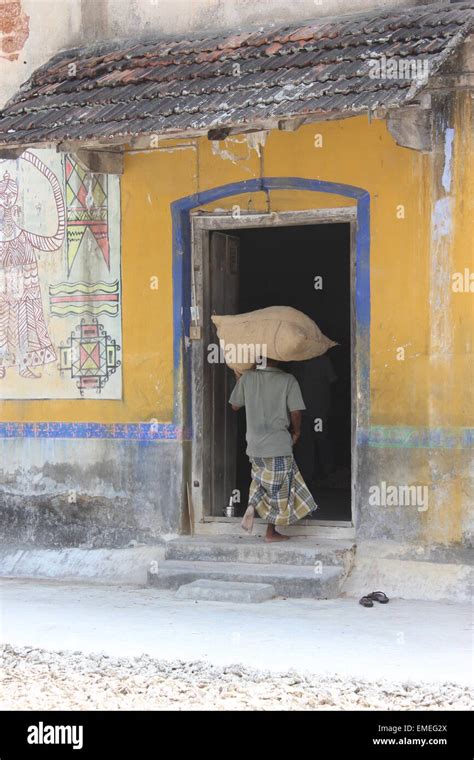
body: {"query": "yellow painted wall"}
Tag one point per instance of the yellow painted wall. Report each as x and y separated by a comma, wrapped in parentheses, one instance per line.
(354, 152)
(458, 398)
(357, 153)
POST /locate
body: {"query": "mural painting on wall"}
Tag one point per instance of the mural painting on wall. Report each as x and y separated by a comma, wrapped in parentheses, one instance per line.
(60, 312)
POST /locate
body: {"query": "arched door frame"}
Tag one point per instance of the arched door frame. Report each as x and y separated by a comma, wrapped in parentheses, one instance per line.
(185, 355)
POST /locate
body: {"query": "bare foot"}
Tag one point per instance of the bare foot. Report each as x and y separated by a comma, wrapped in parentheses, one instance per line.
(3, 372)
(26, 372)
(272, 536)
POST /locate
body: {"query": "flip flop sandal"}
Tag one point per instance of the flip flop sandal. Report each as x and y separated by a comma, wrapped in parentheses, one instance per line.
(379, 596)
(366, 601)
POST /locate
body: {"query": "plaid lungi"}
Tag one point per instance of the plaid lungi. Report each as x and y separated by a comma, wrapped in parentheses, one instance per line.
(278, 492)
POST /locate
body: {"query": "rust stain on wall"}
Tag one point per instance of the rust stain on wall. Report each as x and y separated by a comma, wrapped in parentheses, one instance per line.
(14, 29)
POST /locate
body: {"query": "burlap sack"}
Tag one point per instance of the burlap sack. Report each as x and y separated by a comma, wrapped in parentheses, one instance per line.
(278, 332)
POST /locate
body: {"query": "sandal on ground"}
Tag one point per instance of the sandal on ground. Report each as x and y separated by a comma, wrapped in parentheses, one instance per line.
(379, 596)
(366, 601)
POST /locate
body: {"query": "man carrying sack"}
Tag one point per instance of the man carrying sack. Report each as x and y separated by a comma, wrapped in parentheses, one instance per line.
(273, 405)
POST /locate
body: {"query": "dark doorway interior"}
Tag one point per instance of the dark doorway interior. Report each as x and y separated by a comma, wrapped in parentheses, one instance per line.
(278, 266)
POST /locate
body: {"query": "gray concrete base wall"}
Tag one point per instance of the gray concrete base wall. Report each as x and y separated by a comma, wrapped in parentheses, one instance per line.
(446, 519)
(88, 492)
(394, 568)
(69, 508)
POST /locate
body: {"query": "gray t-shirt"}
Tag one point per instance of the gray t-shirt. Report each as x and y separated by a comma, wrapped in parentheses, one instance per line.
(269, 395)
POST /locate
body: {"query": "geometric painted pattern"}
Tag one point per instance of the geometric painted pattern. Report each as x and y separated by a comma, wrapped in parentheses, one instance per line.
(63, 210)
(87, 211)
(77, 298)
(90, 356)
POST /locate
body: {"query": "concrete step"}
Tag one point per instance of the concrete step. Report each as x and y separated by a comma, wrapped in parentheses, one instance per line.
(293, 581)
(226, 591)
(296, 551)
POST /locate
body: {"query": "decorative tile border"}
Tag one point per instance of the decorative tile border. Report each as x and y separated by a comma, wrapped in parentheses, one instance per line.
(378, 436)
(387, 436)
(132, 431)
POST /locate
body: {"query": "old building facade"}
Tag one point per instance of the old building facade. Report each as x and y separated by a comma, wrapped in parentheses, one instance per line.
(139, 177)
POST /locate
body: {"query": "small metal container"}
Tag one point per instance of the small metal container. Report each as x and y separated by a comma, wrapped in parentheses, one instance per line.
(229, 510)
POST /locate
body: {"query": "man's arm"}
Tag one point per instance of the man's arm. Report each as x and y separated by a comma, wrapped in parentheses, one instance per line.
(237, 397)
(295, 427)
(296, 405)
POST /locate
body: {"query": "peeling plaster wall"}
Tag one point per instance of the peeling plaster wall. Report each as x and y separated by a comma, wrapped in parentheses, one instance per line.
(82, 493)
(14, 29)
(78, 489)
(417, 409)
(441, 362)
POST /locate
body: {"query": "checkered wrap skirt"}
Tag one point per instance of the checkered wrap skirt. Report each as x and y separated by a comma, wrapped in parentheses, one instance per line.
(278, 492)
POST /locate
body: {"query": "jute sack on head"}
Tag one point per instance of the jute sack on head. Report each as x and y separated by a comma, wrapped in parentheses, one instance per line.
(278, 332)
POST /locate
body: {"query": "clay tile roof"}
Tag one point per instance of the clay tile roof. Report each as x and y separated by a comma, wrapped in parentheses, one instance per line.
(321, 67)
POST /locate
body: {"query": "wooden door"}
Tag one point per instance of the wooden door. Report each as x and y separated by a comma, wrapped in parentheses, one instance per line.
(223, 293)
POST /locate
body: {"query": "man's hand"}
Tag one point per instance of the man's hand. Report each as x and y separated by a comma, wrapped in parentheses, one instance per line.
(295, 428)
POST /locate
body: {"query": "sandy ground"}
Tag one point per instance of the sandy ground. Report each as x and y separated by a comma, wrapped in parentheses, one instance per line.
(76, 646)
(35, 679)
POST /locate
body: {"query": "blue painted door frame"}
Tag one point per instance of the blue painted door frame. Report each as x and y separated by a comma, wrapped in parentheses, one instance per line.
(181, 217)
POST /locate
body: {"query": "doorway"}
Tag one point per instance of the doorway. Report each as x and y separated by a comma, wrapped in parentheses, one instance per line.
(308, 266)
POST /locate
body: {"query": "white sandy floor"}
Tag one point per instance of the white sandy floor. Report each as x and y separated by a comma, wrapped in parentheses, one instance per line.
(334, 644)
